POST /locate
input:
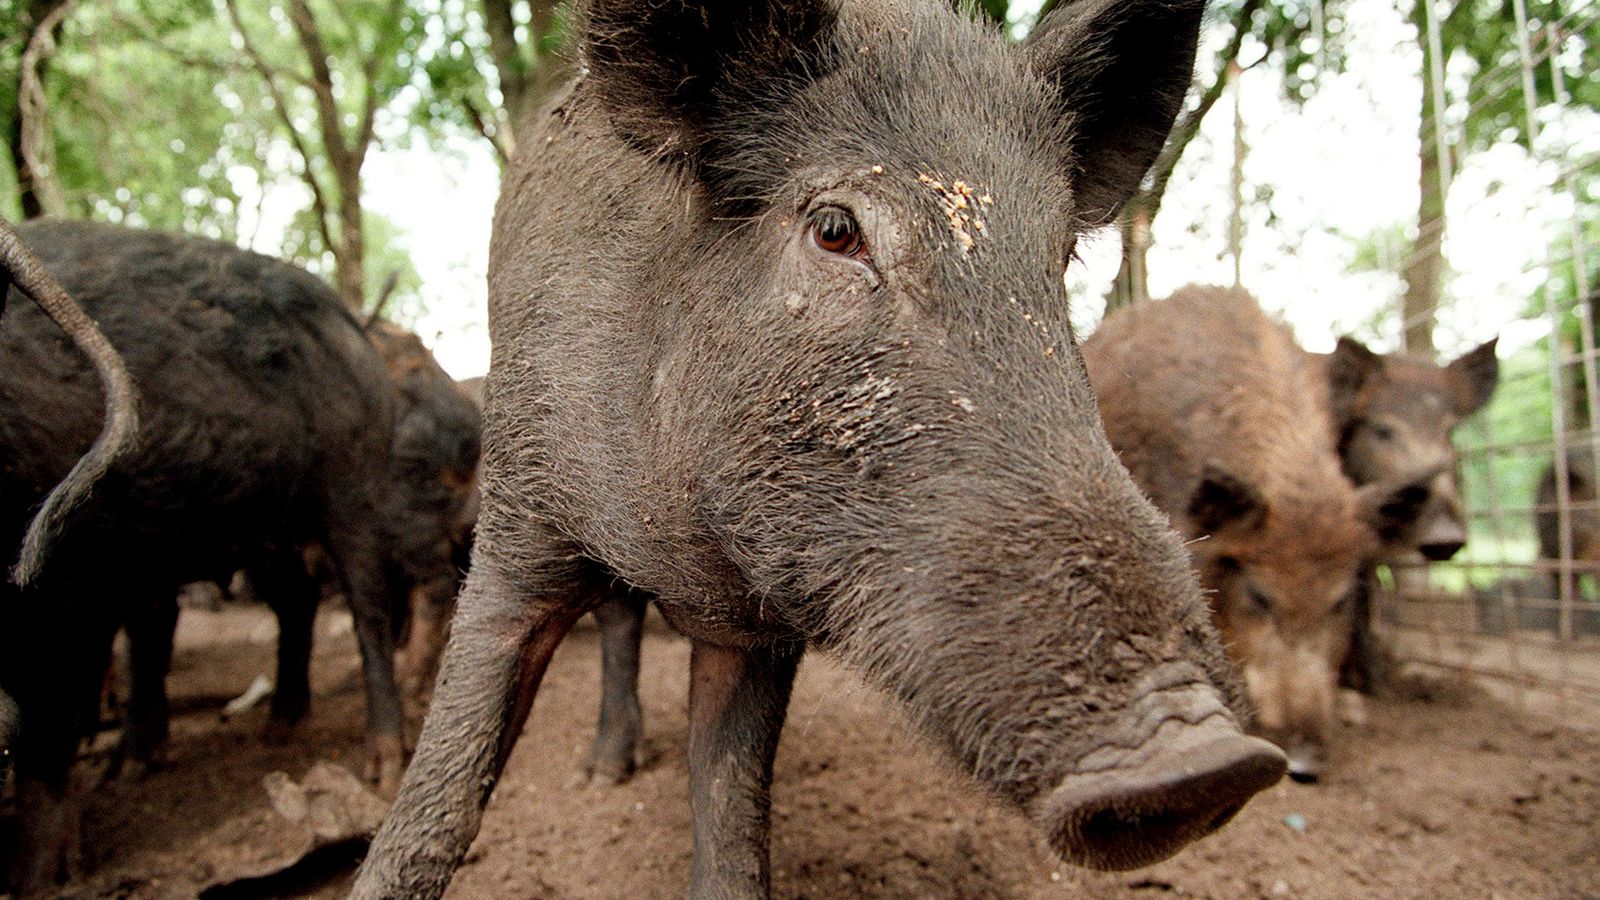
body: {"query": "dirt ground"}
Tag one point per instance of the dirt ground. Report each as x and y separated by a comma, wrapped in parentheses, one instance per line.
(1444, 794)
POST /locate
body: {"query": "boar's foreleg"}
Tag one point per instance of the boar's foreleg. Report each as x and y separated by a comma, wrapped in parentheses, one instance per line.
(737, 702)
(614, 755)
(500, 643)
(281, 579)
(359, 562)
(150, 629)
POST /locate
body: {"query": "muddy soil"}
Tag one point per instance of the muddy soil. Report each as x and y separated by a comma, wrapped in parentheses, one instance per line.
(1443, 793)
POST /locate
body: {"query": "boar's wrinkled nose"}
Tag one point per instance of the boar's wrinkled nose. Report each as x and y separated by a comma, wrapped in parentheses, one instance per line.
(1183, 783)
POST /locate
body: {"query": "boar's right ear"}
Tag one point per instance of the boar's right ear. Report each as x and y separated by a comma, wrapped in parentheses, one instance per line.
(1473, 377)
(665, 69)
(1225, 502)
(1123, 68)
(1351, 367)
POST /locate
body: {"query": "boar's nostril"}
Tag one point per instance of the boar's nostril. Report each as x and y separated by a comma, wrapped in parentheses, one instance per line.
(1126, 818)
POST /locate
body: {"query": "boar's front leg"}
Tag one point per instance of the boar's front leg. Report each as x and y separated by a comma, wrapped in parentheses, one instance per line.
(737, 702)
(614, 755)
(502, 639)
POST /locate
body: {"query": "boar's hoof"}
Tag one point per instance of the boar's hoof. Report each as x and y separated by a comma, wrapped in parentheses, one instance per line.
(386, 762)
(1306, 762)
(1127, 817)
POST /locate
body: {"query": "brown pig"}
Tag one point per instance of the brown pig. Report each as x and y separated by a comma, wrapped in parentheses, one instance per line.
(1392, 418)
(1218, 414)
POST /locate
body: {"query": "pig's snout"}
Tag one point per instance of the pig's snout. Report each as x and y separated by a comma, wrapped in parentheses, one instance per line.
(1443, 538)
(1306, 762)
(1130, 807)
(1445, 534)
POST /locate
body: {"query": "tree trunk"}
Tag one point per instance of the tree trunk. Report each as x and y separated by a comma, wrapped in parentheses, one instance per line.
(350, 256)
(1132, 284)
(526, 75)
(1133, 278)
(1424, 267)
(1236, 180)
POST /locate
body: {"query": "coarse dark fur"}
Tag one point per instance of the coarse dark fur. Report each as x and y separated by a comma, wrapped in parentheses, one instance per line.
(1222, 420)
(433, 503)
(267, 425)
(887, 450)
(19, 266)
(430, 507)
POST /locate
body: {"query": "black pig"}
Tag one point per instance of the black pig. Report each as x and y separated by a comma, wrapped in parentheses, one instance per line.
(267, 419)
(781, 342)
(19, 266)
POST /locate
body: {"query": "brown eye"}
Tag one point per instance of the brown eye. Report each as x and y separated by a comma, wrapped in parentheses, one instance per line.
(836, 231)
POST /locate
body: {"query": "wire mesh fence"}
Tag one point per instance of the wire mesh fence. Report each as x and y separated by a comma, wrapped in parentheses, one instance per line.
(1518, 610)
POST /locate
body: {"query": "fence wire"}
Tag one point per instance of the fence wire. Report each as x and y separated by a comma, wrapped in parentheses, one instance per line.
(1518, 611)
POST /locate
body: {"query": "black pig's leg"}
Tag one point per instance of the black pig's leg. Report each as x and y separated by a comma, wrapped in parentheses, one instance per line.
(282, 581)
(614, 755)
(359, 562)
(150, 625)
(54, 664)
(737, 702)
(502, 639)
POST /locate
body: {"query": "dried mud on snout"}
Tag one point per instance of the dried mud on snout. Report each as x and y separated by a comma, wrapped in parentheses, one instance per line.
(1452, 797)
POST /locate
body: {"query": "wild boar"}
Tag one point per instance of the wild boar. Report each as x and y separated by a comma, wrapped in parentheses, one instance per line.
(781, 342)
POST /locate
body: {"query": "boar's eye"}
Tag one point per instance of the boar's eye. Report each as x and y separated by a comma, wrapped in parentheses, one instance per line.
(836, 231)
(1381, 431)
(1260, 603)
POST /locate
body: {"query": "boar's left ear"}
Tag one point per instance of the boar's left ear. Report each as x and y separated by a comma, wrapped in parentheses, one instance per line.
(1391, 510)
(1225, 502)
(1123, 68)
(1473, 377)
(1351, 367)
(668, 69)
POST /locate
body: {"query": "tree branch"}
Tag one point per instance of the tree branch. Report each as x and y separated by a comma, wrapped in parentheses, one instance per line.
(493, 136)
(37, 146)
(1153, 192)
(319, 200)
(510, 65)
(305, 26)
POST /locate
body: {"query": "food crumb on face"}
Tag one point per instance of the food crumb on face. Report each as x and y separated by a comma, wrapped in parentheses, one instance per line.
(956, 200)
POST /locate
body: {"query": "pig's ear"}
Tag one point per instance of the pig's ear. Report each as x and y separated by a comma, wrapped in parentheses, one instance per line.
(1391, 510)
(1224, 502)
(1123, 68)
(666, 69)
(1351, 367)
(1473, 377)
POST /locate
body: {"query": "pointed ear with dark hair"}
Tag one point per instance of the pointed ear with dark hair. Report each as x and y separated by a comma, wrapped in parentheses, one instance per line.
(665, 69)
(1473, 377)
(1225, 502)
(1123, 67)
(1351, 367)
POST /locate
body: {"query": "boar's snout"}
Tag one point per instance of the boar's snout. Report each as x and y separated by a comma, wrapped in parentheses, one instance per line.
(1306, 762)
(1443, 538)
(1127, 808)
